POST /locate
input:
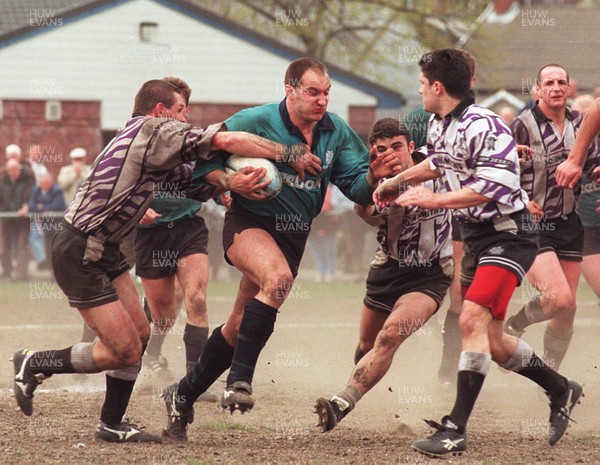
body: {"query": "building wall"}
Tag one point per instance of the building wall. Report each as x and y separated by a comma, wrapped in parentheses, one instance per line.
(24, 123)
(101, 57)
(361, 119)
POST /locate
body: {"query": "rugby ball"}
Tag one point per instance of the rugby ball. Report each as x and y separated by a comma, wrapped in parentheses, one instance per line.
(236, 162)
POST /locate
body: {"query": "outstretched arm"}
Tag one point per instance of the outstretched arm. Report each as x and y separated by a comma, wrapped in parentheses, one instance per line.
(423, 197)
(391, 188)
(569, 171)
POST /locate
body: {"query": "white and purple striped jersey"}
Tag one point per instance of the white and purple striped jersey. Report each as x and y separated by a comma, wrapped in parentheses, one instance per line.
(550, 148)
(415, 235)
(472, 147)
(147, 156)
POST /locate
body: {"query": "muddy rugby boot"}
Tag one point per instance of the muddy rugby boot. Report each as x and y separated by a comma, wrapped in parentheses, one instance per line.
(331, 412)
(124, 432)
(446, 440)
(177, 422)
(238, 396)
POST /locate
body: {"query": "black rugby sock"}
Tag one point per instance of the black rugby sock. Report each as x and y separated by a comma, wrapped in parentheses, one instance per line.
(215, 359)
(257, 326)
(469, 384)
(118, 392)
(540, 373)
(49, 362)
(194, 338)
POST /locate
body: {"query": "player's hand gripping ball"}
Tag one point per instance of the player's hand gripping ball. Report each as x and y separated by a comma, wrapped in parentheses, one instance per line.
(236, 162)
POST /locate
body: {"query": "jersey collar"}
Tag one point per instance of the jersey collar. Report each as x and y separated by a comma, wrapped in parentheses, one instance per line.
(541, 117)
(458, 109)
(325, 124)
(463, 104)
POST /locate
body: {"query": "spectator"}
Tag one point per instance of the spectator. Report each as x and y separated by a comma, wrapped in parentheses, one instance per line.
(572, 93)
(583, 103)
(322, 241)
(351, 245)
(14, 151)
(35, 160)
(71, 176)
(213, 212)
(15, 187)
(507, 114)
(45, 197)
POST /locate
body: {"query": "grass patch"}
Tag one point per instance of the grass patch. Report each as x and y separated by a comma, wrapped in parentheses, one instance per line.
(224, 427)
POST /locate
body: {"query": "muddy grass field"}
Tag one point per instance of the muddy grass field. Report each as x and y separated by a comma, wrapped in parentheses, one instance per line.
(309, 356)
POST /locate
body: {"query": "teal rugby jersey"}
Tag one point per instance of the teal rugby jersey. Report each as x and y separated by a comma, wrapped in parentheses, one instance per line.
(172, 209)
(590, 192)
(344, 159)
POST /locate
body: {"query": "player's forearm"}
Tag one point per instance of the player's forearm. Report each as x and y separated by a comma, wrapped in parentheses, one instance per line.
(418, 173)
(589, 129)
(217, 178)
(463, 198)
(251, 145)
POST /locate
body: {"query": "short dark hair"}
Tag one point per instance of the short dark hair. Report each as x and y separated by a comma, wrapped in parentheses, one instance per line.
(181, 87)
(297, 68)
(151, 93)
(451, 67)
(470, 61)
(386, 128)
(538, 78)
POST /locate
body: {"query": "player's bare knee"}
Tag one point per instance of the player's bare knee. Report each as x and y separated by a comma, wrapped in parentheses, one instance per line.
(128, 354)
(195, 302)
(470, 323)
(279, 284)
(560, 302)
(391, 335)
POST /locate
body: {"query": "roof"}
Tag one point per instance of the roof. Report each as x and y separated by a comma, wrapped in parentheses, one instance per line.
(510, 55)
(21, 18)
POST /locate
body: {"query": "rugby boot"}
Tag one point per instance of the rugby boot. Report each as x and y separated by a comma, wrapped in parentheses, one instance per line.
(177, 422)
(560, 410)
(331, 412)
(25, 382)
(237, 396)
(124, 432)
(446, 440)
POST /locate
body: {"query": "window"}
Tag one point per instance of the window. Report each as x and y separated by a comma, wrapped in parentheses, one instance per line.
(53, 110)
(148, 31)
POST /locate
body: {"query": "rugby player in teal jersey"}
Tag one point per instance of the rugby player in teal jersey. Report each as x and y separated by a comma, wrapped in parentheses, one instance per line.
(265, 240)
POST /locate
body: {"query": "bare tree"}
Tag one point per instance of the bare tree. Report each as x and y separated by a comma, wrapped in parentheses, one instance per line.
(365, 36)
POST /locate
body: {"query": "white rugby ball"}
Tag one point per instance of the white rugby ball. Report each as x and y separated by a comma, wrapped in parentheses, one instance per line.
(236, 162)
